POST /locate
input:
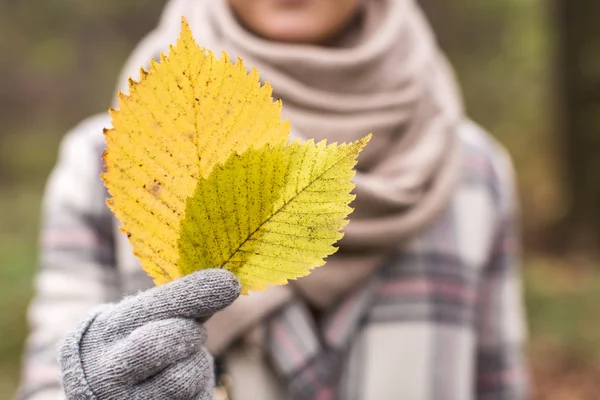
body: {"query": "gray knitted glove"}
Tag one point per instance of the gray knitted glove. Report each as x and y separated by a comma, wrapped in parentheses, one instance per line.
(148, 346)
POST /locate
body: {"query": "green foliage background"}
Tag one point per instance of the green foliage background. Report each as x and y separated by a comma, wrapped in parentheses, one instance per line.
(59, 64)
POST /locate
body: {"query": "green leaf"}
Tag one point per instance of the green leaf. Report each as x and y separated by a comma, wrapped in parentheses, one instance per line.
(270, 214)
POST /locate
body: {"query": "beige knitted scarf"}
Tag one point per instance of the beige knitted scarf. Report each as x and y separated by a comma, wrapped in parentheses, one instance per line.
(387, 77)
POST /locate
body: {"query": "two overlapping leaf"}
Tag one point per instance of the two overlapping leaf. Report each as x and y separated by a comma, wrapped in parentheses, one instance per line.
(201, 176)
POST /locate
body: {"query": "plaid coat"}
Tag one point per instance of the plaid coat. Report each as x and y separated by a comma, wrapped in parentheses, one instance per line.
(444, 316)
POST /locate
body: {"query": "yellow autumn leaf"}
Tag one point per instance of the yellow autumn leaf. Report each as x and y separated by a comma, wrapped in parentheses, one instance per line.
(201, 176)
(270, 214)
(188, 113)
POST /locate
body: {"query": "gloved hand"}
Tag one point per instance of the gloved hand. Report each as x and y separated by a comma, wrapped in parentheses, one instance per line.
(148, 346)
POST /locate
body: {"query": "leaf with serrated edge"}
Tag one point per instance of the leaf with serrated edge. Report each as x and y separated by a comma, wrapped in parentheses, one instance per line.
(270, 214)
(188, 113)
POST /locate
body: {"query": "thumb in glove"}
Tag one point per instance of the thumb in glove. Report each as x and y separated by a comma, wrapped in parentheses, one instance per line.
(150, 345)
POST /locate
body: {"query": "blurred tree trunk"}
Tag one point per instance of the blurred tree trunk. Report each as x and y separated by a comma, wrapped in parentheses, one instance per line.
(579, 128)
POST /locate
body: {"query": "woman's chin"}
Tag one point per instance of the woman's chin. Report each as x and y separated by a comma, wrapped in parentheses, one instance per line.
(291, 31)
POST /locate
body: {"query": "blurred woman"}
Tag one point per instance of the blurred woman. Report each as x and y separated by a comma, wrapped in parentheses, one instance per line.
(423, 299)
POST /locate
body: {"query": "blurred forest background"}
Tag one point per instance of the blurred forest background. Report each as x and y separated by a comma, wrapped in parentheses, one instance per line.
(530, 71)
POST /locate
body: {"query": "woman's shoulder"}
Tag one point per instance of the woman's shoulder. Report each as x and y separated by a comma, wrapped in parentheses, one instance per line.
(86, 138)
(486, 161)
